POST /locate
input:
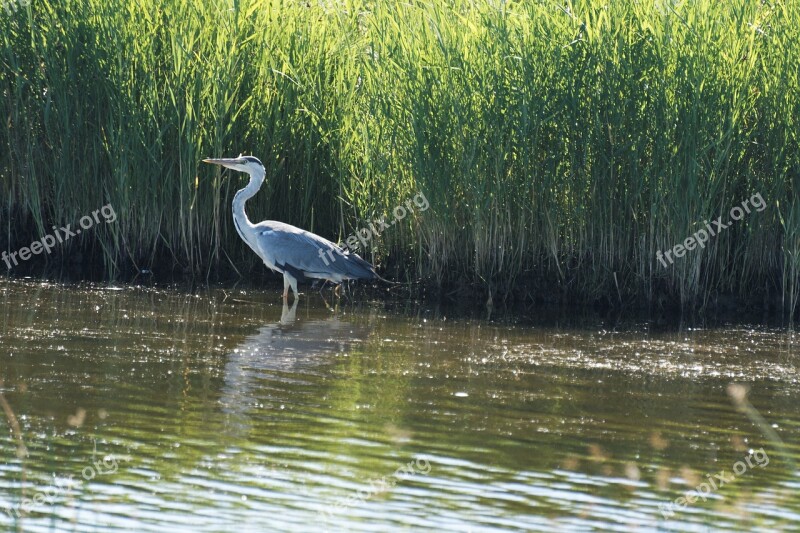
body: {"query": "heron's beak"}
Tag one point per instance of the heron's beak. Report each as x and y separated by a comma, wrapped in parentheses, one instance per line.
(227, 162)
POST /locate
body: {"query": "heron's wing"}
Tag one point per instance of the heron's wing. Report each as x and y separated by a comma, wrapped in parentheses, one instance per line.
(293, 249)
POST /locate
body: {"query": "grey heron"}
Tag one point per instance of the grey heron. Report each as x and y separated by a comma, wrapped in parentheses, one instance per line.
(294, 252)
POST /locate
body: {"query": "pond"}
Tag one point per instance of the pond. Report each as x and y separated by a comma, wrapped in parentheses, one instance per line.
(148, 409)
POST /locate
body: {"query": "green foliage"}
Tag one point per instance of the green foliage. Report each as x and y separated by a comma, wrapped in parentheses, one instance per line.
(560, 142)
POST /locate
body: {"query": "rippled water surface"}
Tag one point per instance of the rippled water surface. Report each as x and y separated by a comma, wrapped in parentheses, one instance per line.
(157, 410)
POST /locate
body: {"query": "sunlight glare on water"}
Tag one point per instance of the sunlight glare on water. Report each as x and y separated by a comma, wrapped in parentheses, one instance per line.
(221, 410)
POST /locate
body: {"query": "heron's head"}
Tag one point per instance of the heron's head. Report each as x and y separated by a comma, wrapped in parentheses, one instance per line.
(243, 163)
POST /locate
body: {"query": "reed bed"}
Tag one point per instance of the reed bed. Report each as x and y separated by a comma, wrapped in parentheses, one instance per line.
(560, 144)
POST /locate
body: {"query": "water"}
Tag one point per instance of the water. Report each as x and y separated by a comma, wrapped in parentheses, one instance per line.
(223, 411)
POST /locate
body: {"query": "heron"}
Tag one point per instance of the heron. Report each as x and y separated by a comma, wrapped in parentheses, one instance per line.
(296, 253)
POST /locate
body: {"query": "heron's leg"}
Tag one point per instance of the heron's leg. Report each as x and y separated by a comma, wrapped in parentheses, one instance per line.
(285, 286)
(288, 316)
(292, 281)
(324, 282)
(324, 301)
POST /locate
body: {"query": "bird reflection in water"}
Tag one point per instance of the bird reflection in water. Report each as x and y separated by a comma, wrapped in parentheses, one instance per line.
(260, 372)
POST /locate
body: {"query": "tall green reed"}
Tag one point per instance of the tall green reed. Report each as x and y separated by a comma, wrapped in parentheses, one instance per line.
(559, 144)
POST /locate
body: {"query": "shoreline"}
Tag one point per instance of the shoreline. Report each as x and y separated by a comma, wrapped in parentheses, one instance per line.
(468, 301)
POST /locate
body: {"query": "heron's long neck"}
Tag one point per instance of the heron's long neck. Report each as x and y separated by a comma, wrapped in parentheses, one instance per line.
(243, 225)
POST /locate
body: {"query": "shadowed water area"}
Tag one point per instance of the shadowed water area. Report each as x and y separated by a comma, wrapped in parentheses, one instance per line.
(137, 409)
